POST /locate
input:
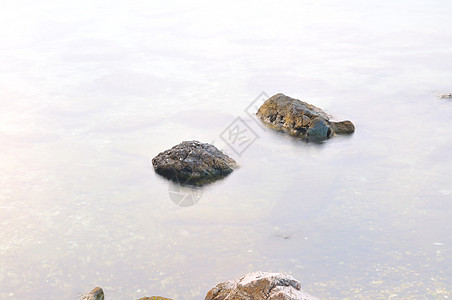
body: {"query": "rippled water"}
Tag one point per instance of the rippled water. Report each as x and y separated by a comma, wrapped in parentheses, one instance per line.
(91, 91)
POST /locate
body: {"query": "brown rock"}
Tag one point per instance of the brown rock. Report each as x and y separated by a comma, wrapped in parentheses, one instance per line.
(344, 127)
(260, 286)
(95, 294)
(300, 119)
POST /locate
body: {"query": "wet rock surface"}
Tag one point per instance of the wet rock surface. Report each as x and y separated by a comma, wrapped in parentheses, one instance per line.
(300, 119)
(260, 285)
(193, 162)
(95, 294)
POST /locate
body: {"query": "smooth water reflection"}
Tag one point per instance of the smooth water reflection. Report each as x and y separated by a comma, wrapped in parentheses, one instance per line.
(90, 92)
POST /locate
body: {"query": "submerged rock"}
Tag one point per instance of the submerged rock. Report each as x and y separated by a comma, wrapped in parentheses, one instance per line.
(260, 286)
(445, 96)
(95, 294)
(300, 119)
(193, 162)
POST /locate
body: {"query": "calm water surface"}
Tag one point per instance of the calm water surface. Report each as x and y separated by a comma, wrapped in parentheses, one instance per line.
(90, 91)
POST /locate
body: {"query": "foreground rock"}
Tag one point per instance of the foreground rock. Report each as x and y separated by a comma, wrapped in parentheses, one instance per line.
(300, 119)
(193, 162)
(96, 294)
(260, 285)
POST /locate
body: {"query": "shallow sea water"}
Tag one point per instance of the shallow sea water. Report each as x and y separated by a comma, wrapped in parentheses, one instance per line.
(91, 91)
